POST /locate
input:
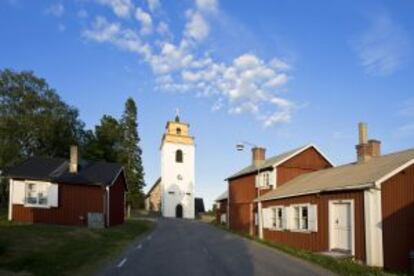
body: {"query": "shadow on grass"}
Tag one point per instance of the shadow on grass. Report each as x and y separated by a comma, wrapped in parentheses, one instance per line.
(60, 250)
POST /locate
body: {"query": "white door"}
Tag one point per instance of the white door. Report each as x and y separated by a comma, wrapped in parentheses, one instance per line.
(342, 224)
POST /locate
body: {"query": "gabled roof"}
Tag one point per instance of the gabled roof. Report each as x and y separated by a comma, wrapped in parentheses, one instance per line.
(347, 177)
(57, 170)
(224, 195)
(275, 161)
(157, 182)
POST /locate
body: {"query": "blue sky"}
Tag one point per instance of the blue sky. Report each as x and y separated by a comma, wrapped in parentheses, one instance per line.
(279, 74)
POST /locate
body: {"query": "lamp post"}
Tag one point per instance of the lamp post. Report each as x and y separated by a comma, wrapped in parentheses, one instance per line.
(240, 147)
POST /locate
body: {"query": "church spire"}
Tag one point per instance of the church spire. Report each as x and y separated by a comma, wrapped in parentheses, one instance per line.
(177, 115)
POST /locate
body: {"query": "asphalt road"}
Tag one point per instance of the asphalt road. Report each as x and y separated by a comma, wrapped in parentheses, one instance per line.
(185, 247)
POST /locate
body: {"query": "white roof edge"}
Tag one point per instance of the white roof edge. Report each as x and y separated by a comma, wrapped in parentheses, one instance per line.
(394, 172)
(302, 150)
(345, 188)
(117, 175)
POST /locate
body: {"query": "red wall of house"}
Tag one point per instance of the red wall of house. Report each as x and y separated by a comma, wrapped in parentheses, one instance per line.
(398, 219)
(75, 201)
(117, 201)
(319, 241)
(242, 192)
(307, 161)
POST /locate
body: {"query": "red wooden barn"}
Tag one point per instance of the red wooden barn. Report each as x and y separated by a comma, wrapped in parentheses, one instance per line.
(67, 192)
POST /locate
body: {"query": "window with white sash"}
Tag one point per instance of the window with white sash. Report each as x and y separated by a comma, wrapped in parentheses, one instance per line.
(295, 218)
(265, 179)
(36, 194)
(304, 217)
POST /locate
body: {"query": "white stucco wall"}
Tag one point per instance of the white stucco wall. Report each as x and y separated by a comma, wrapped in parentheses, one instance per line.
(183, 190)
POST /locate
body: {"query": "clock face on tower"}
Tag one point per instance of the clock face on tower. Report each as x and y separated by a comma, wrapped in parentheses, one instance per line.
(179, 177)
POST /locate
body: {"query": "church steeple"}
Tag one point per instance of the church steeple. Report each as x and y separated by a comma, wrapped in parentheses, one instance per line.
(177, 131)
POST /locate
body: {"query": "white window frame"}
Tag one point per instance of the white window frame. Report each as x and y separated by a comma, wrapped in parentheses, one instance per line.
(45, 190)
(300, 228)
(275, 218)
(264, 179)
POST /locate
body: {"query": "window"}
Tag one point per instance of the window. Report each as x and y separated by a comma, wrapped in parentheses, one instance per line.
(274, 217)
(301, 217)
(277, 218)
(178, 131)
(36, 194)
(179, 156)
(279, 221)
(266, 180)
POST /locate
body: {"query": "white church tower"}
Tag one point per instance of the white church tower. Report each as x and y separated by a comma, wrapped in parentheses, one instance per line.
(177, 170)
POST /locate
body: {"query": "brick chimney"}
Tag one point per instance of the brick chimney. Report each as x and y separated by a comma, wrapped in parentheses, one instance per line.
(74, 159)
(366, 149)
(258, 155)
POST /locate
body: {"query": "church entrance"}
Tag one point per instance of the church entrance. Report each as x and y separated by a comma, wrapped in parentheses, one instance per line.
(179, 211)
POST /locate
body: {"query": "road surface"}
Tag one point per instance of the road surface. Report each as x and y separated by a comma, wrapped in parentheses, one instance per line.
(186, 247)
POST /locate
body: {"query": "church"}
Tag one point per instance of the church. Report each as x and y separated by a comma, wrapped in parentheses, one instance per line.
(172, 195)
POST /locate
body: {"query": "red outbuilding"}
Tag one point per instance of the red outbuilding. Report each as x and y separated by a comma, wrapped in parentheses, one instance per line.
(67, 192)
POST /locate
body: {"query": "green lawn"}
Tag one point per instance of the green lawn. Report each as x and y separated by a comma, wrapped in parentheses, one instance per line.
(61, 250)
(339, 266)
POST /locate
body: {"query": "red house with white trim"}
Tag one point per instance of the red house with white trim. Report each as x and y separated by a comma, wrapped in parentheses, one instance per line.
(59, 191)
(364, 209)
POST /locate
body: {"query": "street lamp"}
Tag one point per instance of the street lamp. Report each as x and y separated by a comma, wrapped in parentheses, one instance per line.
(240, 147)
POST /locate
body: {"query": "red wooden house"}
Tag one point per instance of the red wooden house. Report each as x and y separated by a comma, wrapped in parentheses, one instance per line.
(263, 176)
(59, 191)
(364, 209)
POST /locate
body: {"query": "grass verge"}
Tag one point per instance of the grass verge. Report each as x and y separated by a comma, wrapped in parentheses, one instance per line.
(62, 250)
(339, 266)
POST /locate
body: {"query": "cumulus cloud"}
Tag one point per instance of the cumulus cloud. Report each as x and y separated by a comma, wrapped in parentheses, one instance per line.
(56, 10)
(207, 5)
(244, 84)
(153, 4)
(196, 28)
(145, 20)
(122, 8)
(383, 47)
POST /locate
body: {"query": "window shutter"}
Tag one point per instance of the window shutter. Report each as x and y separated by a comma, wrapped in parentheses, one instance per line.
(284, 218)
(257, 180)
(19, 192)
(272, 179)
(267, 218)
(289, 217)
(53, 194)
(313, 218)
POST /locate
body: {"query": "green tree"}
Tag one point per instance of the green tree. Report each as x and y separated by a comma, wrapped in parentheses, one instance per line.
(131, 155)
(33, 121)
(105, 143)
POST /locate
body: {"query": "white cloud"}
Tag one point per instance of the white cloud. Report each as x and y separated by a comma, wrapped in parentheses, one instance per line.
(196, 27)
(207, 5)
(122, 8)
(245, 84)
(145, 20)
(56, 10)
(382, 48)
(153, 4)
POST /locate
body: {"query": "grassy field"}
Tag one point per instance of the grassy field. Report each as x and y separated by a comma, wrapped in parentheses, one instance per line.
(61, 250)
(339, 266)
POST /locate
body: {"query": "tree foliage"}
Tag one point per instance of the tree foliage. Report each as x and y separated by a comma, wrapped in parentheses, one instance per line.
(131, 154)
(34, 120)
